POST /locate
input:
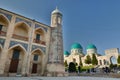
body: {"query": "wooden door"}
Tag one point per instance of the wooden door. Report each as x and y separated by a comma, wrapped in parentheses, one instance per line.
(34, 68)
(14, 61)
(13, 65)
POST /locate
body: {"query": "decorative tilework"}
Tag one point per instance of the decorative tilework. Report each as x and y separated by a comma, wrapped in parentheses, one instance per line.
(12, 43)
(40, 47)
(7, 15)
(38, 26)
(2, 41)
(19, 20)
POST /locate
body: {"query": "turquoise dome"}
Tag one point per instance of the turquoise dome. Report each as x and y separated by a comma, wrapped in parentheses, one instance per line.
(76, 46)
(66, 53)
(91, 46)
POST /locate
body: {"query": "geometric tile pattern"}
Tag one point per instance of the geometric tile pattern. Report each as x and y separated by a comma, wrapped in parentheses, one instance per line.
(38, 26)
(38, 47)
(19, 20)
(7, 15)
(12, 43)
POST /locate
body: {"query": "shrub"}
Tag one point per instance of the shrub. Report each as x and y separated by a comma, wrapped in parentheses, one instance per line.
(94, 60)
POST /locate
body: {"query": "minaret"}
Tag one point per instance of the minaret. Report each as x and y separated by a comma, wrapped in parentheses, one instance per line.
(56, 18)
(55, 56)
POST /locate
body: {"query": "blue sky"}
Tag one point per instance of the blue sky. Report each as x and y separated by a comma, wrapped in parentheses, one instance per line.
(84, 21)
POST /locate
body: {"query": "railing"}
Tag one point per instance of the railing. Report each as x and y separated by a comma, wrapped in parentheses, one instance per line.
(2, 33)
(20, 37)
(39, 42)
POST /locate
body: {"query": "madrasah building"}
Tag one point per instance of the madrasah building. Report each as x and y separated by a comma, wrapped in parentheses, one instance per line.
(28, 47)
(76, 54)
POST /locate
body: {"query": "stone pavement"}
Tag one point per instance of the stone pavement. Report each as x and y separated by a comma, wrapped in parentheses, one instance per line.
(57, 78)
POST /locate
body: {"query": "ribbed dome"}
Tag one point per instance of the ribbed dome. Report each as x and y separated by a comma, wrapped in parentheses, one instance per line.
(56, 11)
(91, 46)
(66, 53)
(76, 46)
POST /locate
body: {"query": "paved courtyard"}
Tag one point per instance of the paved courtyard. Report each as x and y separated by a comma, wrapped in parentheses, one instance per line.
(57, 78)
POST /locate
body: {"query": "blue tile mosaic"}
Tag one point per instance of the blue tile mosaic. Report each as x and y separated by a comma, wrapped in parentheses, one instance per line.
(19, 20)
(12, 43)
(40, 47)
(38, 26)
(7, 15)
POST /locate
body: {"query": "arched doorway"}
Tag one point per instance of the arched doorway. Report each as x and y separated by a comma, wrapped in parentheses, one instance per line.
(113, 60)
(72, 67)
(36, 59)
(3, 25)
(15, 60)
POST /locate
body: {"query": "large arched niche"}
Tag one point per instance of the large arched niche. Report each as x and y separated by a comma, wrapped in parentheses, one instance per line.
(4, 23)
(113, 60)
(36, 62)
(15, 62)
(39, 36)
(21, 31)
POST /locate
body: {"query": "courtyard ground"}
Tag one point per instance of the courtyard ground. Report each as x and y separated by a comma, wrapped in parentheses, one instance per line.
(57, 78)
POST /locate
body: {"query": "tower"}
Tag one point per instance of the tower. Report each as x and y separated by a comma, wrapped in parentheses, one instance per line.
(55, 64)
(56, 18)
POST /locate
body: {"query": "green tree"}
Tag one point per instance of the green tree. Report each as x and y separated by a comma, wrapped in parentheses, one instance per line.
(65, 63)
(88, 59)
(94, 60)
(118, 60)
(76, 64)
(111, 66)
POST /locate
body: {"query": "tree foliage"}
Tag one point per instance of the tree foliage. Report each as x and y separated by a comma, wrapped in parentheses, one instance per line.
(94, 60)
(88, 59)
(65, 63)
(118, 60)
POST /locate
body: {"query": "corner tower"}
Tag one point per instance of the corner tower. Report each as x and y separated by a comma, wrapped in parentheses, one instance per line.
(55, 65)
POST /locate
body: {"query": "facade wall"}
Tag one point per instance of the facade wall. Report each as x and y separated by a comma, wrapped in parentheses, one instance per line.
(19, 32)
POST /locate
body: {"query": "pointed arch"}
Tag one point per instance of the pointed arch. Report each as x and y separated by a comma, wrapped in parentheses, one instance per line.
(39, 36)
(21, 31)
(113, 60)
(4, 23)
(22, 23)
(41, 29)
(18, 45)
(38, 49)
(4, 19)
(16, 58)
(37, 61)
